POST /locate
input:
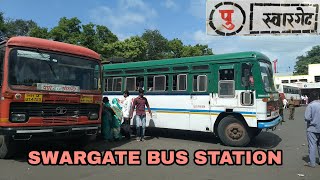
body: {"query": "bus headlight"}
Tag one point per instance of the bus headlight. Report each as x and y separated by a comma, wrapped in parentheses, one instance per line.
(18, 117)
(93, 116)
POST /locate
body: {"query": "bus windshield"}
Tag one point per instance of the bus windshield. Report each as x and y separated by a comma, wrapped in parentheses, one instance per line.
(266, 74)
(31, 68)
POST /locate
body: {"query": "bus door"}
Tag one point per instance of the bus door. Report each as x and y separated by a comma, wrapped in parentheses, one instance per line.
(225, 98)
(199, 102)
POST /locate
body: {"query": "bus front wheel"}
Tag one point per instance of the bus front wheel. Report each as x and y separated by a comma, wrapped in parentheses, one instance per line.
(233, 132)
(7, 147)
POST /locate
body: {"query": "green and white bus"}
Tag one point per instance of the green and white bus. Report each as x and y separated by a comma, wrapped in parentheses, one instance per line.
(231, 95)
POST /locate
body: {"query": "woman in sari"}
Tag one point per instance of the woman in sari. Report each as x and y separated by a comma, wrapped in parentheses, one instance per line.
(107, 116)
(116, 120)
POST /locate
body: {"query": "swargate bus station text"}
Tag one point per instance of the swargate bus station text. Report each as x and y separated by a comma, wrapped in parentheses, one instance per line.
(157, 157)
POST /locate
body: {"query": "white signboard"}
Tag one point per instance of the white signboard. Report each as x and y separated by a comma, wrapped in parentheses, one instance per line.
(57, 87)
(281, 17)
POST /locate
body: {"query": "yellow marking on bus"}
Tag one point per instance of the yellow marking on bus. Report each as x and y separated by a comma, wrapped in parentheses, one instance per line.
(33, 98)
(4, 120)
(86, 99)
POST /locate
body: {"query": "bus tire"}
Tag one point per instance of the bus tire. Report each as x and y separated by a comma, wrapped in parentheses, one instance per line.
(7, 147)
(232, 132)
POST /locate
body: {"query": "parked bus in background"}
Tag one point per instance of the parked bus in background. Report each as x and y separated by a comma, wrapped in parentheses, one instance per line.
(231, 95)
(288, 91)
(48, 89)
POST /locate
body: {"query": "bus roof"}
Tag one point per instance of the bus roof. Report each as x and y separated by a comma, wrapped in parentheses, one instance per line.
(31, 42)
(217, 58)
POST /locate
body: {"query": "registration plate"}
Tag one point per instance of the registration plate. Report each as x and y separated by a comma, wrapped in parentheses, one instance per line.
(86, 99)
(33, 98)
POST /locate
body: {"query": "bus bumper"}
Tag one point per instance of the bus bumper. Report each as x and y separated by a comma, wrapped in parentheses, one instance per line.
(27, 133)
(269, 124)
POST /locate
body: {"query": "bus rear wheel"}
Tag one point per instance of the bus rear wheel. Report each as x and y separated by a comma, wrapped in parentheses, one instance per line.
(7, 147)
(233, 132)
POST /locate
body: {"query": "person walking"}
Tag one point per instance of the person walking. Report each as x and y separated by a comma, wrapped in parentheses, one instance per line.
(291, 108)
(312, 118)
(126, 108)
(140, 103)
(281, 108)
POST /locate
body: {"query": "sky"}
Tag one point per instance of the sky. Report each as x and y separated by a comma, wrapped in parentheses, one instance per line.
(183, 19)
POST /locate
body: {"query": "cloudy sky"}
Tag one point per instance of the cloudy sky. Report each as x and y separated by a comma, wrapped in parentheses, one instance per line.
(183, 19)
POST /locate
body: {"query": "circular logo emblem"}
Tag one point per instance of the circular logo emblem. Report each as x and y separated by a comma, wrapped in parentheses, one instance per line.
(61, 110)
(227, 18)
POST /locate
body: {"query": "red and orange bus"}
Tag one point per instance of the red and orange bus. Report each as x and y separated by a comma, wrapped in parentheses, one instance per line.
(48, 89)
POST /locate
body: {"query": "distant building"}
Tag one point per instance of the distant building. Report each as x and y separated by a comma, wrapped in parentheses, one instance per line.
(309, 84)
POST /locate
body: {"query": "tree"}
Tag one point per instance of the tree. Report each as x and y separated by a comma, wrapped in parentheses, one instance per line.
(19, 27)
(68, 31)
(175, 48)
(311, 57)
(197, 50)
(157, 45)
(2, 23)
(88, 37)
(104, 36)
(39, 32)
(132, 49)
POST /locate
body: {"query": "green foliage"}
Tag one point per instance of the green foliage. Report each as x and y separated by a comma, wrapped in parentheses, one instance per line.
(68, 30)
(39, 32)
(19, 27)
(157, 45)
(2, 23)
(311, 57)
(151, 45)
(132, 49)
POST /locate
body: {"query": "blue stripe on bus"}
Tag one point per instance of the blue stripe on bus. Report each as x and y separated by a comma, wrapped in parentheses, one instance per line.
(196, 110)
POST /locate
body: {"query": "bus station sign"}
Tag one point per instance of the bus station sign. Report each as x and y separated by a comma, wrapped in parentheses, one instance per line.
(57, 87)
(283, 17)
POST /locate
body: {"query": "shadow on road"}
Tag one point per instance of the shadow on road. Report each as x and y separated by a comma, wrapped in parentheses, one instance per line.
(265, 140)
(305, 158)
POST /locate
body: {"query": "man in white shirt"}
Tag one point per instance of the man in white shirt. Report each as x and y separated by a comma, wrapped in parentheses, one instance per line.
(126, 108)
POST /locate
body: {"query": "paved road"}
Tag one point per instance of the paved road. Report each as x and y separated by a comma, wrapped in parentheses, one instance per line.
(289, 137)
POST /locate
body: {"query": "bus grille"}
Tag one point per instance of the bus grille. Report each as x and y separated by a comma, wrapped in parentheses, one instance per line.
(58, 112)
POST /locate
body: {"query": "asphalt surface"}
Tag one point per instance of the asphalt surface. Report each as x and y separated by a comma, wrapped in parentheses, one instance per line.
(289, 137)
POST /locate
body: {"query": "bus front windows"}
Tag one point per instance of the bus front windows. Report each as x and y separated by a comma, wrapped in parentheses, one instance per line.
(30, 68)
(266, 74)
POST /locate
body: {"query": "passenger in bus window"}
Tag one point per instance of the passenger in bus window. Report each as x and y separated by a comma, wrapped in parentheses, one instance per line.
(291, 108)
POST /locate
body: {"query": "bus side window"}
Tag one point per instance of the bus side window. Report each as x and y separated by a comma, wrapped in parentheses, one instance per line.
(226, 83)
(200, 83)
(2, 52)
(113, 84)
(226, 74)
(130, 84)
(179, 82)
(139, 83)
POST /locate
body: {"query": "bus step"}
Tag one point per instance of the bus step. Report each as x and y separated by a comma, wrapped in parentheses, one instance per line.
(22, 137)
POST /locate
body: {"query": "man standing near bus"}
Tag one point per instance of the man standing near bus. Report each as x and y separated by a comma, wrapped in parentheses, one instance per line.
(281, 108)
(139, 103)
(291, 108)
(312, 118)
